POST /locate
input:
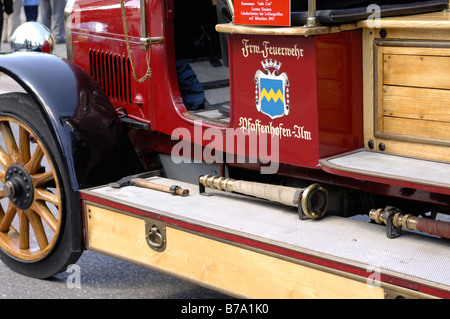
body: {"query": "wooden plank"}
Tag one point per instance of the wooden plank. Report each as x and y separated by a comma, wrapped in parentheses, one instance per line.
(368, 84)
(413, 149)
(417, 71)
(432, 26)
(417, 128)
(417, 34)
(416, 50)
(286, 31)
(378, 90)
(416, 103)
(216, 264)
(429, 21)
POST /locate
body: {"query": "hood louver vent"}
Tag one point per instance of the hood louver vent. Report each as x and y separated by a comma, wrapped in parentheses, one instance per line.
(113, 73)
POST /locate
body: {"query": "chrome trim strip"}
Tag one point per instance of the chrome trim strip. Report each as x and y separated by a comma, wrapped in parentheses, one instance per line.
(68, 26)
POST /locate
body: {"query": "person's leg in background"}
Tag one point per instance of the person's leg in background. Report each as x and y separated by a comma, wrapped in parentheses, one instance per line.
(57, 8)
(13, 22)
(45, 15)
(31, 12)
(51, 14)
(1, 22)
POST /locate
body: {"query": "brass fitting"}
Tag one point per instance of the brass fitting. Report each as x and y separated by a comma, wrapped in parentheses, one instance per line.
(220, 183)
(399, 219)
(406, 221)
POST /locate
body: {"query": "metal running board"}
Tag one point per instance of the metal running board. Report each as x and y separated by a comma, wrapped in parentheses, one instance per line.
(270, 227)
(391, 168)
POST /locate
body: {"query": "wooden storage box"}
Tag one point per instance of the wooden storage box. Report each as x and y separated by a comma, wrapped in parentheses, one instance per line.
(413, 102)
(407, 85)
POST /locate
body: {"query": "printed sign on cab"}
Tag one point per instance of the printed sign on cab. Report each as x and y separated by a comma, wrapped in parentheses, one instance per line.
(263, 12)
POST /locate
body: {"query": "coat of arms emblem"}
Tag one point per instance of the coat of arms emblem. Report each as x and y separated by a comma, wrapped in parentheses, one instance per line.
(272, 90)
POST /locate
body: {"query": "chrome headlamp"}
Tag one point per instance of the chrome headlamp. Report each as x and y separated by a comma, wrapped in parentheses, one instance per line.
(32, 37)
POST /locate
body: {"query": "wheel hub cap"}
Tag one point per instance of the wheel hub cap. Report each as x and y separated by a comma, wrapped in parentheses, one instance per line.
(18, 186)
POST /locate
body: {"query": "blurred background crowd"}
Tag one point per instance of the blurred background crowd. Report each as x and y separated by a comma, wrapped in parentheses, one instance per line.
(15, 12)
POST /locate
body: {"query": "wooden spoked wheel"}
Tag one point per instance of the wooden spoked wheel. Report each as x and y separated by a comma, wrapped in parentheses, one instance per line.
(40, 212)
(30, 214)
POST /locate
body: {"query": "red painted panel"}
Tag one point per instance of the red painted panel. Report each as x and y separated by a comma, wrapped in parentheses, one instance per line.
(267, 72)
(100, 49)
(322, 93)
(340, 92)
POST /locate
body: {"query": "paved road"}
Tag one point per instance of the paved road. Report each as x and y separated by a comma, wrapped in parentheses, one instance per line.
(97, 276)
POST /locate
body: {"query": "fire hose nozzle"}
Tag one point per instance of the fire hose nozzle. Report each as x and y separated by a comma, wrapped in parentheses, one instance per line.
(311, 201)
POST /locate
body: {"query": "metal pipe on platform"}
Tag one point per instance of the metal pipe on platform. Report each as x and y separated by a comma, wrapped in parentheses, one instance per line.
(397, 220)
(312, 200)
(144, 40)
(311, 21)
(230, 4)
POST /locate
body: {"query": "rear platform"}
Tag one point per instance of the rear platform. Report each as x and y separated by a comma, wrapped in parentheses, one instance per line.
(248, 247)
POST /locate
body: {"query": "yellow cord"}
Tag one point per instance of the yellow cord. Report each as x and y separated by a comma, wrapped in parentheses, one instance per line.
(148, 74)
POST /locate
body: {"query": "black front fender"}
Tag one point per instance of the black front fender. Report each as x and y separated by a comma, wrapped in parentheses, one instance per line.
(82, 119)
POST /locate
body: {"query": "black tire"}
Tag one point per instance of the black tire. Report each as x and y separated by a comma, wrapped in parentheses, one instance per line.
(45, 235)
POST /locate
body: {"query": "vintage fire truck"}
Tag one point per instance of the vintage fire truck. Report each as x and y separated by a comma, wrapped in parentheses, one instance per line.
(266, 150)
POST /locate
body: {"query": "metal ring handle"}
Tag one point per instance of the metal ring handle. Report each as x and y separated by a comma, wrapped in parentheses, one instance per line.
(155, 234)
